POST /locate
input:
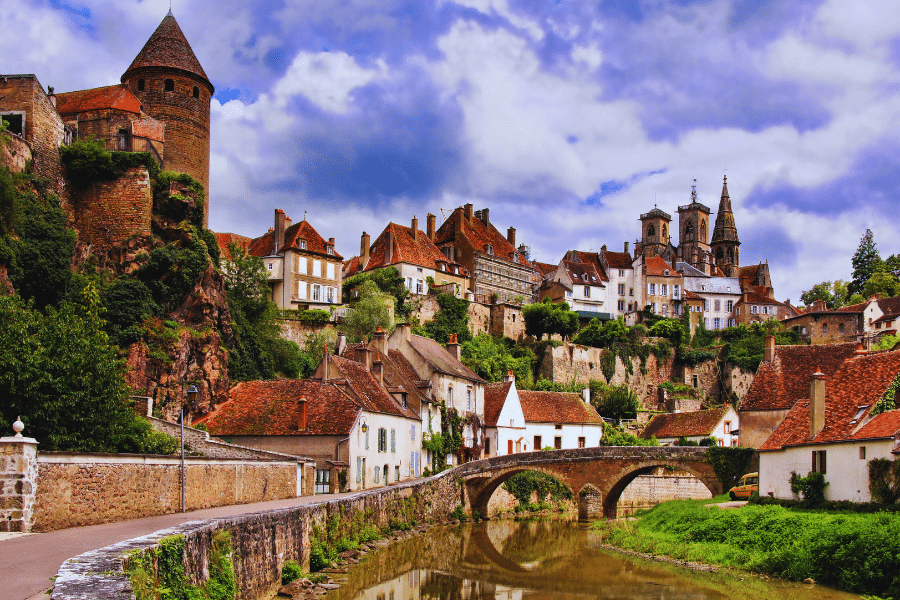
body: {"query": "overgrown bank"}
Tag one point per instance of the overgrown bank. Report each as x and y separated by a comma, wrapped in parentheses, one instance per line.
(854, 552)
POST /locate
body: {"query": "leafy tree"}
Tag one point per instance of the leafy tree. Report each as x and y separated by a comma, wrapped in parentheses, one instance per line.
(892, 265)
(127, 302)
(59, 373)
(617, 437)
(601, 334)
(453, 317)
(614, 401)
(314, 350)
(171, 271)
(548, 318)
(886, 342)
(671, 329)
(865, 262)
(834, 294)
(388, 281)
(491, 357)
(368, 313)
(881, 282)
(9, 198)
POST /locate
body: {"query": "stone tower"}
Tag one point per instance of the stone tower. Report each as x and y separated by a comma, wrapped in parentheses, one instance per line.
(170, 83)
(655, 234)
(693, 230)
(725, 243)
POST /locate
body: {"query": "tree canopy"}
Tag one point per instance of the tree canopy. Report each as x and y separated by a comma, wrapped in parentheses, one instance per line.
(835, 294)
(368, 313)
(452, 318)
(865, 262)
(549, 318)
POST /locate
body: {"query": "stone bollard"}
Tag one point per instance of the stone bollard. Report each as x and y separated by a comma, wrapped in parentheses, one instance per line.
(18, 481)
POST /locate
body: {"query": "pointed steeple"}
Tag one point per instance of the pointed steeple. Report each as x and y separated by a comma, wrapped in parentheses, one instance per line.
(167, 48)
(725, 229)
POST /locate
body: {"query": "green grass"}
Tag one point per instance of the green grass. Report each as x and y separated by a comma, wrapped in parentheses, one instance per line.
(855, 552)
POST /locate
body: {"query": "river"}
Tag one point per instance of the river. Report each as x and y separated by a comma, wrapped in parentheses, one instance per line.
(513, 560)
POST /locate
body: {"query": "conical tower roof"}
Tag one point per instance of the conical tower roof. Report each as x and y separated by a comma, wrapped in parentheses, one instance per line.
(167, 48)
(725, 229)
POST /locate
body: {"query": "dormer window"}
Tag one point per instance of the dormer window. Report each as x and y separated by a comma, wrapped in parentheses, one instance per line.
(303, 244)
(666, 272)
(330, 249)
(490, 249)
(859, 413)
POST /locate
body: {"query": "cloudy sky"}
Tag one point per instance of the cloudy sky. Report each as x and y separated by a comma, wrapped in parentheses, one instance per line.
(567, 118)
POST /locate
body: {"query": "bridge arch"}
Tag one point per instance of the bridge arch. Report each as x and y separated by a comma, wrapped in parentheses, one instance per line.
(614, 491)
(480, 489)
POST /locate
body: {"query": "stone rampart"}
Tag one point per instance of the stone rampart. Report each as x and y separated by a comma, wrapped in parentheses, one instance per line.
(88, 489)
(297, 331)
(109, 212)
(262, 542)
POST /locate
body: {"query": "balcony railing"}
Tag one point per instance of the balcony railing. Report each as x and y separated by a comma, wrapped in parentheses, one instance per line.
(128, 143)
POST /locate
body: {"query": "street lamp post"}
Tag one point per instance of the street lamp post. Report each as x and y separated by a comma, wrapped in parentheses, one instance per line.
(192, 395)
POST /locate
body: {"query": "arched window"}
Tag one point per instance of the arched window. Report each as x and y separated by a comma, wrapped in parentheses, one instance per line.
(651, 230)
(703, 230)
(689, 230)
(197, 95)
(664, 231)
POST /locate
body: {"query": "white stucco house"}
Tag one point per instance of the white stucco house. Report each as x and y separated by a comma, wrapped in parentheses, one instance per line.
(833, 431)
(522, 421)
(719, 423)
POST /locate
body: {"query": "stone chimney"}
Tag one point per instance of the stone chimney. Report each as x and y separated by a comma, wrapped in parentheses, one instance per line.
(819, 306)
(586, 395)
(364, 243)
(510, 376)
(51, 95)
(486, 217)
(379, 340)
(860, 350)
(364, 355)
(415, 228)
(769, 355)
(301, 414)
(467, 211)
(405, 331)
(325, 365)
(816, 403)
(341, 343)
(281, 224)
(626, 247)
(511, 236)
(453, 346)
(430, 221)
(378, 371)
(388, 246)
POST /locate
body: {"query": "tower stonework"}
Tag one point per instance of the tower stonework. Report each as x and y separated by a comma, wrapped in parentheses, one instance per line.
(170, 83)
(655, 234)
(725, 245)
(693, 231)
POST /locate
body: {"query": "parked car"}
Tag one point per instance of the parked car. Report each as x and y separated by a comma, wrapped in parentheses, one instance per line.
(747, 486)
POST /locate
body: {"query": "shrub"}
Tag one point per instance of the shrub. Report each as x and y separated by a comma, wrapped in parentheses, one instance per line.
(884, 480)
(811, 487)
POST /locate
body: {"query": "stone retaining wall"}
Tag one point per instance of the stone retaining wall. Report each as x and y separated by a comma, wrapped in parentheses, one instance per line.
(262, 542)
(662, 485)
(88, 489)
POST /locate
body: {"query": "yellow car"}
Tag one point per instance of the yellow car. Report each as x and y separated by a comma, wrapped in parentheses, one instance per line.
(748, 485)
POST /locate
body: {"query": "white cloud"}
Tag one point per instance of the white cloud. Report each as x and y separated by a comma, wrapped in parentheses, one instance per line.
(864, 23)
(501, 8)
(589, 55)
(325, 78)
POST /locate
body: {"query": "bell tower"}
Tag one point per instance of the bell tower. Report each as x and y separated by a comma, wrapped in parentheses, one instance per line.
(725, 245)
(173, 88)
(655, 234)
(693, 230)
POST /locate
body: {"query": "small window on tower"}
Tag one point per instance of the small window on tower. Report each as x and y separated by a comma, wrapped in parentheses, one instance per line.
(140, 85)
(196, 92)
(170, 85)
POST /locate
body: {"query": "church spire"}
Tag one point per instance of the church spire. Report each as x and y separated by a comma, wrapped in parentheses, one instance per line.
(724, 243)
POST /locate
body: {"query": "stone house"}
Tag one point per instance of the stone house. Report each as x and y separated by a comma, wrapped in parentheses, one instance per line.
(497, 269)
(304, 269)
(523, 421)
(781, 380)
(453, 385)
(720, 423)
(661, 286)
(619, 268)
(415, 256)
(342, 417)
(865, 322)
(585, 288)
(719, 296)
(831, 430)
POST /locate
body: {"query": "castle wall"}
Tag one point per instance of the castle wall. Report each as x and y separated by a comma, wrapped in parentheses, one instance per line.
(109, 212)
(187, 121)
(15, 154)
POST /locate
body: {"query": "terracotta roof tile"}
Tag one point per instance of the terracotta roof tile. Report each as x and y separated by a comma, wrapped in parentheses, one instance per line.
(780, 383)
(293, 235)
(421, 251)
(618, 260)
(545, 269)
(584, 273)
(167, 47)
(366, 389)
(494, 398)
(753, 296)
(272, 408)
(441, 360)
(556, 407)
(656, 266)
(890, 305)
(689, 424)
(479, 236)
(859, 382)
(854, 308)
(407, 370)
(351, 267)
(225, 239)
(117, 97)
(887, 424)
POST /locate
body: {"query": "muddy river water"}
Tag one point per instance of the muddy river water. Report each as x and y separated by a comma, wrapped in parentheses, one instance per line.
(512, 560)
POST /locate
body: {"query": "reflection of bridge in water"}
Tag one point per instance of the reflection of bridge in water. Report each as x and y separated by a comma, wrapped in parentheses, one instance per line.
(597, 476)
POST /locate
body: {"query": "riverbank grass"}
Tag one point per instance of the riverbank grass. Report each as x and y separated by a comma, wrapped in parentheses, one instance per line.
(854, 552)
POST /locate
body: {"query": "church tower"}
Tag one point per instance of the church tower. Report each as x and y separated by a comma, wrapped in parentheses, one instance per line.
(170, 83)
(725, 243)
(693, 231)
(655, 234)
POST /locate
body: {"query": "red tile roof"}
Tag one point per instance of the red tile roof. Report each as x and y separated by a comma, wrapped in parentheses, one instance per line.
(117, 97)
(272, 408)
(887, 424)
(167, 47)
(420, 251)
(494, 398)
(225, 239)
(583, 273)
(479, 236)
(315, 243)
(441, 360)
(407, 370)
(351, 267)
(689, 424)
(619, 260)
(556, 407)
(859, 382)
(656, 266)
(366, 389)
(780, 383)
(854, 308)
(544, 269)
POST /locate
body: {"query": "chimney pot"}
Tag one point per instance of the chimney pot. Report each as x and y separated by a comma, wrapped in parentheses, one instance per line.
(378, 371)
(467, 211)
(301, 415)
(486, 217)
(415, 228)
(388, 247)
(430, 223)
(364, 244)
(816, 403)
(511, 236)
(770, 349)
(626, 247)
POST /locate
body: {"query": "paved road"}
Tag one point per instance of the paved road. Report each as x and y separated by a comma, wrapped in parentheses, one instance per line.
(29, 562)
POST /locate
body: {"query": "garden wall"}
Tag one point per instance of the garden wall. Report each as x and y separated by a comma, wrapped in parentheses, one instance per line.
(262, 542)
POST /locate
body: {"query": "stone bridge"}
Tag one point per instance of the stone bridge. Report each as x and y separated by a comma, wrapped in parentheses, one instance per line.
(597, 476)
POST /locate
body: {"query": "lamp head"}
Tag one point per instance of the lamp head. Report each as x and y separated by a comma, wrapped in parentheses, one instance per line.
(192, 393)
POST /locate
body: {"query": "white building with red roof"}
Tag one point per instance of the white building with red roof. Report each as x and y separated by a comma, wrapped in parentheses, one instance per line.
(832, 431)
(523, 421)
(719, 423)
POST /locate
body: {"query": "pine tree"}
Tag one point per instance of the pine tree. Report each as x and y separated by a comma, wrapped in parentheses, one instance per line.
(865, 263)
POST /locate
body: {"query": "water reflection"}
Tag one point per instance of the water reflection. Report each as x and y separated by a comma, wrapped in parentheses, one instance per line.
(512, 560)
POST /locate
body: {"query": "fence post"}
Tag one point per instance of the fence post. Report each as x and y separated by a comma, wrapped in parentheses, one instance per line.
(18, 481)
